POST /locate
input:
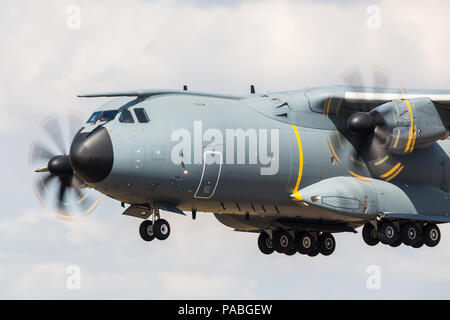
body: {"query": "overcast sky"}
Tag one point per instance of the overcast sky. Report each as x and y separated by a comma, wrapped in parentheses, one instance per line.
(210, 46)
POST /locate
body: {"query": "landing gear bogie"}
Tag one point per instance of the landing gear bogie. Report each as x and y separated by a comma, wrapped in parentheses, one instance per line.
(303, 242)
(394, 233)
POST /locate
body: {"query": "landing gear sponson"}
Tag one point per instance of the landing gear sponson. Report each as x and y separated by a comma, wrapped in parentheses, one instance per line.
(154, 228)
(394, 233)
(290, 242)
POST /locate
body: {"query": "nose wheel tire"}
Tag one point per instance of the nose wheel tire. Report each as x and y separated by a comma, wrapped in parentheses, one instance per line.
(410, 234)
(146, 230)
(431, 234)
(282, 240)
(161, 229)
(369, 234)
(265, 243)
(326, 243)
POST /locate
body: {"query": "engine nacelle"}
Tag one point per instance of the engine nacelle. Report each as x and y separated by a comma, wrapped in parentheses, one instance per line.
(369, 197)
(408, 124)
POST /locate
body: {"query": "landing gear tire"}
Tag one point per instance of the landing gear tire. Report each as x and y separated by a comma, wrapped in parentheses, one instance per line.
(418, 244)
(396, 243)
(410, 234)
(161, 229)
(282, 240)
(369, 234)
(387, 232)
(314, 251)
(305, 242)
(291, 251)
(326, 243)
(431, 234)
(146, 230)
(265, 243)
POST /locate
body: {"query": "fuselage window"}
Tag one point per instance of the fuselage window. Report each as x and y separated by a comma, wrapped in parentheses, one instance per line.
(126, 117)
(141, 115)
(108, 115)
(93, 118)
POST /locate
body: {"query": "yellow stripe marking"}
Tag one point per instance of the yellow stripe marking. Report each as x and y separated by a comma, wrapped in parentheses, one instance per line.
(408, 144)
(300, 157)
(328, 106)
(340, 141)
(396, 173)
(357, 175)
(333, 153)
(414, 139)
(297, 196)
(379, 162)
(397, 138)
(387, 174)
(92, 207)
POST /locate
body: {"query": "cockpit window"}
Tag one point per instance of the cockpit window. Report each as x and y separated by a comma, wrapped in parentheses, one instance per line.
(126, 117)
(141, 115)
(93, 118)
(108, 115)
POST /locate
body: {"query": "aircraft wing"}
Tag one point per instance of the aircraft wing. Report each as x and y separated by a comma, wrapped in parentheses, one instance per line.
(155, 92)
(418, 217)
(330, 100)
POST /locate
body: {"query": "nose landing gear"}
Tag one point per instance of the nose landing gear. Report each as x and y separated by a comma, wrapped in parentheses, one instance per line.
(154, 228)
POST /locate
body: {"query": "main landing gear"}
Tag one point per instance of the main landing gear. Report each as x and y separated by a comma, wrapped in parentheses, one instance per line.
(394, 234)
(304, 242)
(154, 228)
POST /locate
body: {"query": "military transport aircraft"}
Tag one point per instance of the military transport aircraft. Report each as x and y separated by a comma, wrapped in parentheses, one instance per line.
(294, 166)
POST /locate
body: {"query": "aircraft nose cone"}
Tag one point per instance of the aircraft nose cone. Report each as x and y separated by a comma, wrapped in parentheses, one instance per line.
(91, 155)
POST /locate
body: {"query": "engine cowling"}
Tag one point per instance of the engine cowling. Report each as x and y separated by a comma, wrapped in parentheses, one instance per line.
(410, 124)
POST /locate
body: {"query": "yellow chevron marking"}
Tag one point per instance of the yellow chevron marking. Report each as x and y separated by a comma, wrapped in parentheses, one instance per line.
(396, 173)
(387, 174)
(379, 162)
(408, 144)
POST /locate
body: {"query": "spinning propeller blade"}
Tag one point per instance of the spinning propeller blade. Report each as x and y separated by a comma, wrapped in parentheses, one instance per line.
(58, 167)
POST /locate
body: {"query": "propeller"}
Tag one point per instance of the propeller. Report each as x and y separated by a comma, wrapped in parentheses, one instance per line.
(58, 171)
(362, 136)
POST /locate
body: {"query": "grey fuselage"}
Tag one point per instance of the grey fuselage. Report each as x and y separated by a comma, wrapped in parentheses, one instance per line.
(144, 171)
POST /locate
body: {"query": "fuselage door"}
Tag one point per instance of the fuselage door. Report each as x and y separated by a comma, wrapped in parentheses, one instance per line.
(209, 180)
